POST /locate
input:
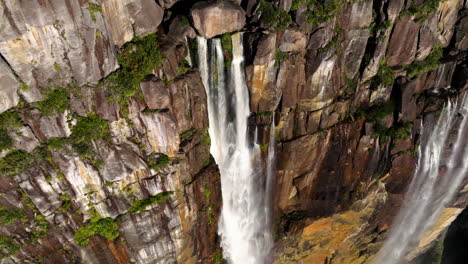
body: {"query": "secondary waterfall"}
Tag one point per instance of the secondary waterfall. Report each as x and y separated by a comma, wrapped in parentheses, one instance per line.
(243, 226)
(440, 171)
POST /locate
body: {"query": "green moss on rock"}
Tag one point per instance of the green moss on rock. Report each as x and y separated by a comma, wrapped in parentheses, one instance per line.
(140, 205)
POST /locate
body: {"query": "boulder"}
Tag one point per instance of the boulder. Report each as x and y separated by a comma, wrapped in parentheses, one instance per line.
(216, 18)
(293, 41)
(155, 94)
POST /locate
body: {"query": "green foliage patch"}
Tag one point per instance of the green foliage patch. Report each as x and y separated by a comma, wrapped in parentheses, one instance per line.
(55, 102)
(183, 67)
(273, 17)
(428, 7)
(15, 161)
(10, 215)
(279, 57)
(140, 205)
(161, 161)
(56, 143)
(91, 127)
(88, 128)
(105, 227)
(8, 246)
(400, 131)
(8, 120)
(379, 111)
(66, 202)
(319, 11)
(93, 9)
(6, 141)
(430, 63)
(218, 258)
(41, 228)
(187, 134)
(137, 59)
(385, 75)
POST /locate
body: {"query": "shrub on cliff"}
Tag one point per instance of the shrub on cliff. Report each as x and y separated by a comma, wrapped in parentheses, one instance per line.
(273, 17)
(137, 59)
(8, 120)
(105, 227)
(10, 215)
(55, 102)
(88, 128)
(432, 62)
(8, 246)
(385, 75)
(15, 161)
(140, 205)
(319, 11)
(160, 162)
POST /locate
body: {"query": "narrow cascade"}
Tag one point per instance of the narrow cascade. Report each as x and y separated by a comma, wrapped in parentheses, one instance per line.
(439, 173)
(243, 226)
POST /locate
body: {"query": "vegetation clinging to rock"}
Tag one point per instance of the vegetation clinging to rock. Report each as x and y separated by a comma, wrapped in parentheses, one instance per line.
(15, 161)
(140, 205)
(428, 7)
(105, 227)
(88, 128)
(8, 120)
(319, 11)
(385, 75)
(379, 111)
(160, 162)
(430, 63)
(137, 59)
(274, 17)
(55, 102)
(10, 215)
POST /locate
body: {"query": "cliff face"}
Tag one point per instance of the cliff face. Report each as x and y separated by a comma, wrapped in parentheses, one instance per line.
(104, 126)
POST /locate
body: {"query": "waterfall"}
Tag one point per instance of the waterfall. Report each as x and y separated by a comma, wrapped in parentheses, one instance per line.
(243, 226)
(440, 171)
(271, 176)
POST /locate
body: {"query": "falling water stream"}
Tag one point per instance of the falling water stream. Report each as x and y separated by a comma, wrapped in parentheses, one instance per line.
(243, 225)
(440, 171)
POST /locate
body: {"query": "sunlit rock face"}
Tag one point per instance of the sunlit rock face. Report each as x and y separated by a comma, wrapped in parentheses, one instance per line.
(339, 95)
(8, 87)
(216, 18)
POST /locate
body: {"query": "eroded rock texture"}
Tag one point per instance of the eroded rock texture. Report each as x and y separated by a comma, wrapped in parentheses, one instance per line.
(121, 172)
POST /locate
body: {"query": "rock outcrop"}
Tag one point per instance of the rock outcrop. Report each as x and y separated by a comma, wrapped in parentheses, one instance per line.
(216, 18)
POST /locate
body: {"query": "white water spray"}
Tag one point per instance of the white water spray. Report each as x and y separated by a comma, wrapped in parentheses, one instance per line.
(243, 226)
(434, 183)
